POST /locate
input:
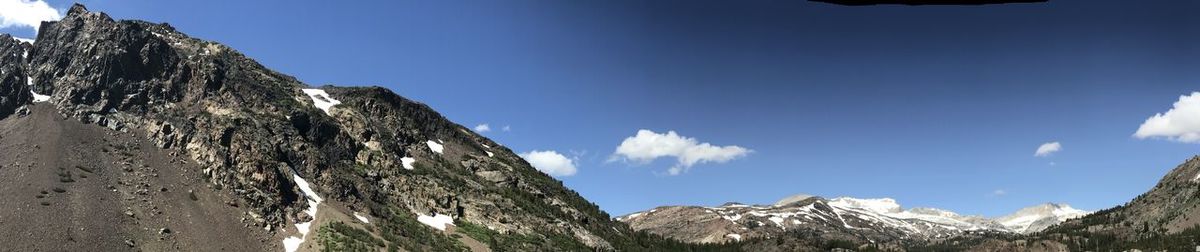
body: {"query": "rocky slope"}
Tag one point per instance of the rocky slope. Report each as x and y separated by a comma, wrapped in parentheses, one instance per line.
(285, 161)
(1165, 218)
(879, 221)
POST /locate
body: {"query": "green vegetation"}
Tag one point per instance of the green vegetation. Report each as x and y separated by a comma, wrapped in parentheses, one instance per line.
(640, 241)
(1187, 240)
(338, 236)
(402, 230)
(519, 242)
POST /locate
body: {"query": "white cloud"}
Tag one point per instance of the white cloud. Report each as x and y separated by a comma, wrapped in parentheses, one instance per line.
(26, 13)
(647, 146)
(999, 192)
(506, 128)
(24, 40)
(482, 128)
(1181, 123)
(1047, 148)
(550, 162)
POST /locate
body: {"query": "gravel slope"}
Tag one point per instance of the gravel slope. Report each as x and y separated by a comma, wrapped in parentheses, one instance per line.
(71, 186)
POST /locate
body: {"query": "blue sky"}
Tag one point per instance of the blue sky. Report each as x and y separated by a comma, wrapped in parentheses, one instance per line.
(934, 106)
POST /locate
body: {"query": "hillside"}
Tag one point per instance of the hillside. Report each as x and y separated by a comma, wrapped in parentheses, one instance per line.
(186, 141)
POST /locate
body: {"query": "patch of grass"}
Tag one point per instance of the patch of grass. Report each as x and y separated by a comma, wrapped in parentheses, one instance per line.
(519, 242)
(401, 230)
(338, 236)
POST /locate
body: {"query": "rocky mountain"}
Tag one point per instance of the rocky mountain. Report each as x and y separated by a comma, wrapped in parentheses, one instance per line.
(130, 135)
(877, 221)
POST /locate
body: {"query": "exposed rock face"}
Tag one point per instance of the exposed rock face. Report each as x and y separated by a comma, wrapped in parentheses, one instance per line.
(251, 129)
(14, 91)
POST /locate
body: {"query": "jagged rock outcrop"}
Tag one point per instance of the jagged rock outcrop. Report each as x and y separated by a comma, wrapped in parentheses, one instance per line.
(14, 89)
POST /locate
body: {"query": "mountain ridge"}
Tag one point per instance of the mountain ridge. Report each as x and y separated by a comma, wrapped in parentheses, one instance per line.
(293, 162)
(884, 215)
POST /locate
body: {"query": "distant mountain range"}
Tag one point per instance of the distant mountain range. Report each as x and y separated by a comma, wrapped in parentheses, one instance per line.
(1166, 218)
(880, 220)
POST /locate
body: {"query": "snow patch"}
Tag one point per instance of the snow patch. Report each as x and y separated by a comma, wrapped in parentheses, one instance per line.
(634, 215)
(777, 220)
(361, 218)
(434, 146)
(39, 98)
(407, 162)
(737, 237)
(732, 218)
(881, 205)
(490, 154)
(321, 99)
(437, 221)
(290, 244)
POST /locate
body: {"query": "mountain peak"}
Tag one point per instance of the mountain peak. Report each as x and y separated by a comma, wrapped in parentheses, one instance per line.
(793, 199)
(77, 9)
(879, 205)
(1036, 218)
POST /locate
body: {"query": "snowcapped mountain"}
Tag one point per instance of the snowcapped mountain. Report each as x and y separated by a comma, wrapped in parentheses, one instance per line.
(881, 219)
(1039, 217)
